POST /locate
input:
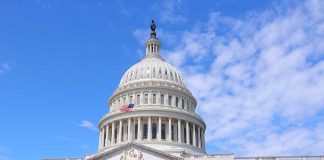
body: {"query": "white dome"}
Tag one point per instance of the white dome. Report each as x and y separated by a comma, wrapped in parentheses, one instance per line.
(152, 68)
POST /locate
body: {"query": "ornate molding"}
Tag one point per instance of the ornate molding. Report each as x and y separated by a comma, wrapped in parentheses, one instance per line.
(132, 155)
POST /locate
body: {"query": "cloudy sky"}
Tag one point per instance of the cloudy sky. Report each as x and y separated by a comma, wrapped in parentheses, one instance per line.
(255, 67)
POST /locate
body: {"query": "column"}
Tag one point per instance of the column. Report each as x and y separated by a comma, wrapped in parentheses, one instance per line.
(150, 97)
(194, 135)
(179, 131)
(173, 101)
(158, 95)
(149, 134)
(99, 145)
(160, 130)
(120, 131)
(113, 133)
(107, 135)
(187, 133)
(199, 137)
(139, 134)
(142, 98)
(102, 137)
(170, 133)
(129, 130)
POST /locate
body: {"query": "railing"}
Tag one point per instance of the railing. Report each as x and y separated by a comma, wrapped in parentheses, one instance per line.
(63, 159)
(282, 158)
(212, 156)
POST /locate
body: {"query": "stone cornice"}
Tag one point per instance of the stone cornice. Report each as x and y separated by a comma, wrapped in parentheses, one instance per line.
(153, 112)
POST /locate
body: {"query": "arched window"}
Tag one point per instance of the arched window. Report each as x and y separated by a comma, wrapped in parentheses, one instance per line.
(130, 99)
(145, 131)
(163, 131)
(154, 131)
(153, 71)
(138, 99)
(182, 103)
(170, 100)
(154, 98)
(145, 98)
(162, 99)
(177, 102)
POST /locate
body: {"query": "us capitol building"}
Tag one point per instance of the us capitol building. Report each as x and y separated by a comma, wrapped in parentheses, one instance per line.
(152, 116)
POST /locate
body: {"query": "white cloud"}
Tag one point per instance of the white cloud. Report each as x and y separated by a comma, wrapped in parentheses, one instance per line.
(3, 151)
(87, 124)
(4, 68)
(259, 79)
(170, 11)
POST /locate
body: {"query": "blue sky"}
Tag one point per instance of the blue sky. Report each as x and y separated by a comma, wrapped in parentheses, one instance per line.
(256, 68)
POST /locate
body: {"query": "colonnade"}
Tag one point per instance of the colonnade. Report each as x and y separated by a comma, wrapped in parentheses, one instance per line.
(151, 129)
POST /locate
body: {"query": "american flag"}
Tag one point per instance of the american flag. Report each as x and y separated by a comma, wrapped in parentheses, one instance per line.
(127, 108)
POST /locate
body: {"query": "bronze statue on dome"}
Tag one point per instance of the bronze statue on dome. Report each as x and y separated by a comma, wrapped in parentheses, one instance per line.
(153, 27)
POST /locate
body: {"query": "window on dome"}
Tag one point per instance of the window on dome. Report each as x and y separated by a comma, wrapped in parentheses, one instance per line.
(145, 131)
(162, 98)
(188, 105)
(154, 98)
(166, 73)
(171, 75)
(154, 71)
(163, 131)
(177, 101)
(124, 101)
(138, 99)
(170, 100)
(148, 71)
(130, 99)
(182, 104)
(154, 131)
(146, 99)
(160, 71)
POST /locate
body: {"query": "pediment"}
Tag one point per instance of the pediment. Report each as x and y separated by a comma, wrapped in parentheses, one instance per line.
(133, 151)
